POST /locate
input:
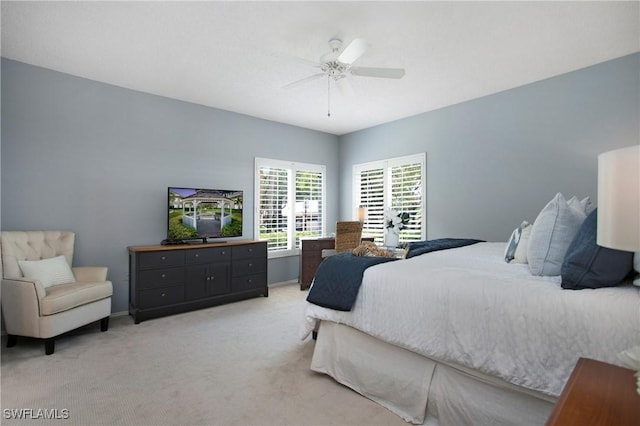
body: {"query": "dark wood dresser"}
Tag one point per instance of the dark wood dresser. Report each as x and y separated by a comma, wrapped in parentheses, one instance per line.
(165, 280)
(311, 256)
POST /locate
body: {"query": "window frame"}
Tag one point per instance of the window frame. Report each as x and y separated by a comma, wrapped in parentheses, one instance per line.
(292, 167)
(386, 165)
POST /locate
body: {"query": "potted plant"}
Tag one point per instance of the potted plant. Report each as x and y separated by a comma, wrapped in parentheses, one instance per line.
(394, 223)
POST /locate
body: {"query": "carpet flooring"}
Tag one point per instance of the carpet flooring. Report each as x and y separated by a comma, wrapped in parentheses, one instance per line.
(236, 364)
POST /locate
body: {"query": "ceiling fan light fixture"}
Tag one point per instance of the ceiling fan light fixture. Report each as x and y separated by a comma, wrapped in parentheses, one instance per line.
(332, 56)
(335, 44)
(334, 69)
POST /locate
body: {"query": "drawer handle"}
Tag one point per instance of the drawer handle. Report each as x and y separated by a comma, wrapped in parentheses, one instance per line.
(212, 277)
(197, 254)
(250, 265)
(222, 253)
(163, 295)
(249, 280)
(250, 250)
(163, 276)
(163, 257)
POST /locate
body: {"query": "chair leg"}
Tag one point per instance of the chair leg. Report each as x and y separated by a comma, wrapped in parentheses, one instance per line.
(49, 346)
(104, 324)
(12, 339)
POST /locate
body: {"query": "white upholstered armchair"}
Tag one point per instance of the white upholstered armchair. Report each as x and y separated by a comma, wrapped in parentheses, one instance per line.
(42, 295)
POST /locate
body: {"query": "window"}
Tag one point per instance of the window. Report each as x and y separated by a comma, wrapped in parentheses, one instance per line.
(290, 199)
(397, 183)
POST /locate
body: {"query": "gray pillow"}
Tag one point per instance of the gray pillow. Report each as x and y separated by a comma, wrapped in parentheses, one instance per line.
(553, 231)
(512, 245)
(519, 238)
(587, 265)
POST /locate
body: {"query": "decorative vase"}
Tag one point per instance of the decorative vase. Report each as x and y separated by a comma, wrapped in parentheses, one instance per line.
(391, 239)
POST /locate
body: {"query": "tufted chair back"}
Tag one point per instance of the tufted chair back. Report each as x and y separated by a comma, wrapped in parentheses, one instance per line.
(32, 309)
(32, 245)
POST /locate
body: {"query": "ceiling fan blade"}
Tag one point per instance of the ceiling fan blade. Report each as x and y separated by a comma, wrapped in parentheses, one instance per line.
(304, 80)
(378, 72)
(353, 51)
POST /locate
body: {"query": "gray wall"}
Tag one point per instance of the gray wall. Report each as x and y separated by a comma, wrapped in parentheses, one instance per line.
(495, 161)
(97, 159)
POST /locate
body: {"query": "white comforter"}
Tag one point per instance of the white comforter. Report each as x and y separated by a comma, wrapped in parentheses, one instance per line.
(467, 306)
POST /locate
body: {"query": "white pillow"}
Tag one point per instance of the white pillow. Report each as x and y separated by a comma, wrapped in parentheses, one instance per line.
(551, 234)
(49, 272)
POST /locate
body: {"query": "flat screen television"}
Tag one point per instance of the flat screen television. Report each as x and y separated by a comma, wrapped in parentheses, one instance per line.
(197, 213)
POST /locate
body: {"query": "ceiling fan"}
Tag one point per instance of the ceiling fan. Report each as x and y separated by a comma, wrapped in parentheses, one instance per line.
(337, 65)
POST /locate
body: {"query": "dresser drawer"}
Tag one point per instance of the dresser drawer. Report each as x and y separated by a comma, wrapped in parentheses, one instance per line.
(249, 282)
(318, 245)
(153, 278)
(249, 251)
(160, 259)
(248, 266)
(208, 255)
(156, 297)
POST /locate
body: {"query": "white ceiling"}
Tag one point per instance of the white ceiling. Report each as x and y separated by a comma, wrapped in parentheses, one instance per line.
(237, 56)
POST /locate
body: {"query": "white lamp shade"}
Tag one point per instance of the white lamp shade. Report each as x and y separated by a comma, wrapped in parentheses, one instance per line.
(619, 199)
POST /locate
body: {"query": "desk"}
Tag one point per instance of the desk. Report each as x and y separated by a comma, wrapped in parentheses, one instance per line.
(311, 256)
(597, 393)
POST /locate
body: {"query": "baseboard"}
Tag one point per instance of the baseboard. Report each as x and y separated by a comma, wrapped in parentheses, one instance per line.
(289, 282)
(124, 313)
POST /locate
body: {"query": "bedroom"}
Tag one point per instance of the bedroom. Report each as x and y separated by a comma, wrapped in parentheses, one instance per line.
(98, 158)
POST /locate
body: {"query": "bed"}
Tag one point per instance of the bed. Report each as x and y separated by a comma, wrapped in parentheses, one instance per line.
(460, 336)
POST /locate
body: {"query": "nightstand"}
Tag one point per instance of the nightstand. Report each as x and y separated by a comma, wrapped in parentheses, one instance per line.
(311, 256)
(598, 393)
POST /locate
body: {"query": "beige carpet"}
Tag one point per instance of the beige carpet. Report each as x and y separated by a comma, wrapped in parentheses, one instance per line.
(236, 364)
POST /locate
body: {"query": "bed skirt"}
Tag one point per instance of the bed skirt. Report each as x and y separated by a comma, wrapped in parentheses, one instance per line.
(417, 388)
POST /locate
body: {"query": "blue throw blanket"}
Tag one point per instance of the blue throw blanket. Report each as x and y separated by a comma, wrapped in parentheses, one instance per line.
(338, 280)
(339, 277)
(421, 247)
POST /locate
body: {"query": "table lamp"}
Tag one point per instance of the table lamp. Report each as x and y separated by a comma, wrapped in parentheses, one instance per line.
(362, 213)
(619, 201)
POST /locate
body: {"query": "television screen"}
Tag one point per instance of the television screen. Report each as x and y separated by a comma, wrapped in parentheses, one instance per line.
(204, 213)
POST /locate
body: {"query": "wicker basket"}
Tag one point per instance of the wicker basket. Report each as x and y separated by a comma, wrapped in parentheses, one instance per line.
(348, 235)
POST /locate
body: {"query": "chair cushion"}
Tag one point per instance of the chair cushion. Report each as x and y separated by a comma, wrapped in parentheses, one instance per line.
(63, 297)
(49, 272)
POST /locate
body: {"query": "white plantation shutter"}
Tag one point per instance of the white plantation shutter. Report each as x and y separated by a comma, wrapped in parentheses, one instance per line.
(290, 201)
(274, 195)
(406, 196)
(371, 187)
(397, 183)
(309, 204)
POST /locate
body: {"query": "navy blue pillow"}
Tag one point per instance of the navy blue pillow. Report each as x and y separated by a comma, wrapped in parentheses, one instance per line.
(587, 265)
